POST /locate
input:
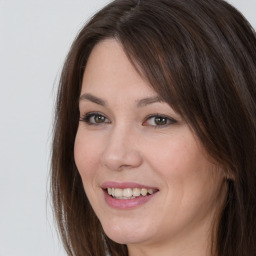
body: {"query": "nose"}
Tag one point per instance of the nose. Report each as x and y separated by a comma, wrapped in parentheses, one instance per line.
(121, 151)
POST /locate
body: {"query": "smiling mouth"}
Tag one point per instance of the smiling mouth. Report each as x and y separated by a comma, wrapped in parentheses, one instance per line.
(130, 193)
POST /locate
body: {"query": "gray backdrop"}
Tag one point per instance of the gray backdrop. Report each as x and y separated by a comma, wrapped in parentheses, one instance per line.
(34, 39)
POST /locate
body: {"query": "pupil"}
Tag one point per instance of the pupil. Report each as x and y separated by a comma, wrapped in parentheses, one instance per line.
(160, 120)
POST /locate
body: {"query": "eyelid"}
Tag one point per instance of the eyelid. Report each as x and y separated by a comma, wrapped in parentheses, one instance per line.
(169, 119)
(85, 118)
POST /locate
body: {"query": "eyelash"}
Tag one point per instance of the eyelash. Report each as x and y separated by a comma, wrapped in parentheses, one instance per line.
(86, 118)
(168, 120)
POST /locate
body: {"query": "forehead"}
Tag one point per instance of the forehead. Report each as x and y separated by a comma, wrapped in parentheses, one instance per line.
(108, 69)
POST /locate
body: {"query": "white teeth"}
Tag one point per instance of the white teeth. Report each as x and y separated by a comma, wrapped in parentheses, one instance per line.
(144, 191)
(150, 191)
(136, 192)
(118, 192)
(129, 193)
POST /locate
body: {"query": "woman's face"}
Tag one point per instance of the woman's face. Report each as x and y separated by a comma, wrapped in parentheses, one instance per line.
(144, 172)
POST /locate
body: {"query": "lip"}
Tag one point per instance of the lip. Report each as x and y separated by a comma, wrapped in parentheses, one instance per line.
(126, 204)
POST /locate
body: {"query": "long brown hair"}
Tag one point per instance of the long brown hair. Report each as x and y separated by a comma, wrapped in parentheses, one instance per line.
(200, 57)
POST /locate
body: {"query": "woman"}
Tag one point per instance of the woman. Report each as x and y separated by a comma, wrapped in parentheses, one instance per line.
(154, 145)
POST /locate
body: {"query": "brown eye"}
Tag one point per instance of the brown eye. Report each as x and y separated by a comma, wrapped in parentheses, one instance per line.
(94, 119)
(158, 121)
(98, 119)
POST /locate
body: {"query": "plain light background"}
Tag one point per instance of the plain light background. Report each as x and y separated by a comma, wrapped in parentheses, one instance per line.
(34, 39)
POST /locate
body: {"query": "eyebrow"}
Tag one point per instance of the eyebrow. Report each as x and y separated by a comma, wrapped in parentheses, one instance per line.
(140, 103)
(92, 98)
(149, 100)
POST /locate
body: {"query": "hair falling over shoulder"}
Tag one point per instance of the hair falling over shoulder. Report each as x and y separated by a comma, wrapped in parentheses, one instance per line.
(200, 57)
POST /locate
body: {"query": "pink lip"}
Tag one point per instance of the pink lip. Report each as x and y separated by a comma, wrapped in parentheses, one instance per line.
(125, 203)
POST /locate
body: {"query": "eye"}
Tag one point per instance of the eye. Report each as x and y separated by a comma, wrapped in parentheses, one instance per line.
(158, 120)
(94, 119)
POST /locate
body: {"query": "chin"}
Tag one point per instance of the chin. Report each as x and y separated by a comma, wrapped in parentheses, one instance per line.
(122, 234)
(126, 239)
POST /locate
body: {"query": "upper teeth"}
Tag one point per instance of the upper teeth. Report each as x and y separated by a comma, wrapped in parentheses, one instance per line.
(129, 193)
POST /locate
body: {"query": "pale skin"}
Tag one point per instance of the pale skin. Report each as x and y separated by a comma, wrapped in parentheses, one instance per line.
(126, 134)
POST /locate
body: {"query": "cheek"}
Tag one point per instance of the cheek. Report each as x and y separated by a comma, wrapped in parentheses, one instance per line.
(185, 169)
(175, 157)
(86, 154)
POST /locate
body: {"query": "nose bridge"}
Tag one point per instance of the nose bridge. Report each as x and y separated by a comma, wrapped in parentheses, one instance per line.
(120, 149)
